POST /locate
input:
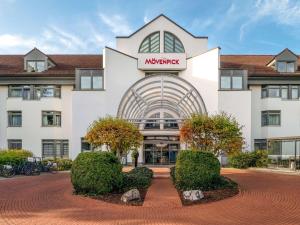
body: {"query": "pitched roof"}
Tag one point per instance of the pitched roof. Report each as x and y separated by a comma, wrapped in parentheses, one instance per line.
(255, 64)
(65, 65)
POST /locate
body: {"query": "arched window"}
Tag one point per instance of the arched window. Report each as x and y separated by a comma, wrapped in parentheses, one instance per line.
(172, 44)
(150, 44)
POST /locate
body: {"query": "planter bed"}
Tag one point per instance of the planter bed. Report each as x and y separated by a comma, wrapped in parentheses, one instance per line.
(214, 195)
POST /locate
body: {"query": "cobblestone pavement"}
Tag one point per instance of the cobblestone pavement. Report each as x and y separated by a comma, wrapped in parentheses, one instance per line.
(265, 198)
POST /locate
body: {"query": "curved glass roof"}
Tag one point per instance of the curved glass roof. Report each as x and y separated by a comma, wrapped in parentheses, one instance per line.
(167, 92)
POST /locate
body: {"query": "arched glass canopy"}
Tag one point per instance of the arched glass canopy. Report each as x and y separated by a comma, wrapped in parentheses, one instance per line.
(175, 96)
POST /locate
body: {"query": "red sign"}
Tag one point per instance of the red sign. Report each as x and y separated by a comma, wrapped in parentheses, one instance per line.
(162, 61)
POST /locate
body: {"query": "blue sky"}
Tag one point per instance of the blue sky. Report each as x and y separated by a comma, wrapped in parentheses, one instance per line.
(85, 26)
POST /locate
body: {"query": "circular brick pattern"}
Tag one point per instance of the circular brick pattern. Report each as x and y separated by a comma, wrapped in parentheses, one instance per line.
(265, 198)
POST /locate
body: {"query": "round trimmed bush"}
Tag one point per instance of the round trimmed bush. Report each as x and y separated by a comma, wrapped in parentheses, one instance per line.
(196, 170)
(96, 173)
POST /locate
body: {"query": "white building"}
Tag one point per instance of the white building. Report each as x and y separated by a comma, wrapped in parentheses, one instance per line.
(155, 77)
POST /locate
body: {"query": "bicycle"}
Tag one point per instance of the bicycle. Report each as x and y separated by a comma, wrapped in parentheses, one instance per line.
(29, 167)
(7, 171)
(51, 167)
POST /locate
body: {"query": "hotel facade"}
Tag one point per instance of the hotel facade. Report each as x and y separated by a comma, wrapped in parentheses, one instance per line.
(155, 77)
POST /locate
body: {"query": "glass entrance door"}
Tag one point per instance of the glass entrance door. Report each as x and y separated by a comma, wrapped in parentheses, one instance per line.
(160, 153)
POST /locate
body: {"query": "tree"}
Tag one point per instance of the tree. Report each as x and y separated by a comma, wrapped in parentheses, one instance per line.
(118, 135)
(218, 134)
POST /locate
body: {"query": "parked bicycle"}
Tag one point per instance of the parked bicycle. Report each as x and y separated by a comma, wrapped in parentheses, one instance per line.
(50, 167)
(7, 171)
(29, 167)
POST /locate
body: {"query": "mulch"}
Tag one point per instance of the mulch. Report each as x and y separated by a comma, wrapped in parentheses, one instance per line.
(212, 195)
(115, 198)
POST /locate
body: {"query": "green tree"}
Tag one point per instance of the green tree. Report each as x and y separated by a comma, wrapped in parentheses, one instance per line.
(118, 135)
(217, 133)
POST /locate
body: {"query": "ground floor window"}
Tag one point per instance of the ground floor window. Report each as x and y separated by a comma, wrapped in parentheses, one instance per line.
(284, 153)
(85, 146)
(55, 148)
(14, 144)
(260, 144)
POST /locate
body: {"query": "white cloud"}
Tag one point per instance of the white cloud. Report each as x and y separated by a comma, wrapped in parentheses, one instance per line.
(283, 12)
(10, 42)
(146, 19)
(117, 24)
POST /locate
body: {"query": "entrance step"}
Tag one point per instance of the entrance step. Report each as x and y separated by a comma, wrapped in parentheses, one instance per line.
(162, 194)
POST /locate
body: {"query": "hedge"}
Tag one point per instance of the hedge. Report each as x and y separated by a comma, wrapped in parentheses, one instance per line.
(196, 170)
(96, 173)
(14, 157)
(139, 177)
(243, 160)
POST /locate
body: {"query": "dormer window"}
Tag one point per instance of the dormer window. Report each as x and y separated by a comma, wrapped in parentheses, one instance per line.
(35, 66)
(286, 67)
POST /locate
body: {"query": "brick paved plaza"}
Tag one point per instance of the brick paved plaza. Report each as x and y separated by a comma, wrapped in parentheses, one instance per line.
(266, 198)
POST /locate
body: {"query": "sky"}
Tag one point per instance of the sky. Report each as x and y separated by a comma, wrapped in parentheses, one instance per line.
(86, 26)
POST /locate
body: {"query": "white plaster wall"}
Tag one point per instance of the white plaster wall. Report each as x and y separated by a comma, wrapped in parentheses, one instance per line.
(193, 46)
(120, 73)
(203, 73)
(290, 116)
(3, 116)
(238, 104)
(32, 131)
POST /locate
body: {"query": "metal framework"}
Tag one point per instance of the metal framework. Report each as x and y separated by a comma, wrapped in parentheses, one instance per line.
(166, 92)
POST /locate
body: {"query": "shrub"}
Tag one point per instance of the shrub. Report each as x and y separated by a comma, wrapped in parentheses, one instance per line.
(196, 170)
(62, 164)
(259, 158)
(243, 160)
(172, 173)
(96, 173)
(139, 177)
(14, 156)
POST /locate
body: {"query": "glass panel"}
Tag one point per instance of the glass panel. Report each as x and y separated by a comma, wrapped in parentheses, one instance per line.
(40, 66)
(31, 66)
(85, 82)
(97, 82)
(48, 92)
(264, 93)
(264, 119)
(284, 92)
(274, 119)
(295, 92)
(225, 82)
(274, 91)
(15, 91)
(237, 82)
(150, 43)
(287, 149)
(290, 67)
(281, 66)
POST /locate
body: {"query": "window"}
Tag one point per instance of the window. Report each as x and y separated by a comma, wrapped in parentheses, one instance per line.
(14, 144)
(260, 144)
(150, 44)
(285, 67)
(280, 91)
(55, 148)
(152, 123)
(231, 82)
(51, 119)
(90, 79)
(270, 118)
(85, 146)
(14, 118)
(172, 44)
(34, 92)
(170, 123)
(36, 66)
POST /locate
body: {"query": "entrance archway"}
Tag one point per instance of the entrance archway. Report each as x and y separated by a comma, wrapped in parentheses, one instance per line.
(158, 104)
